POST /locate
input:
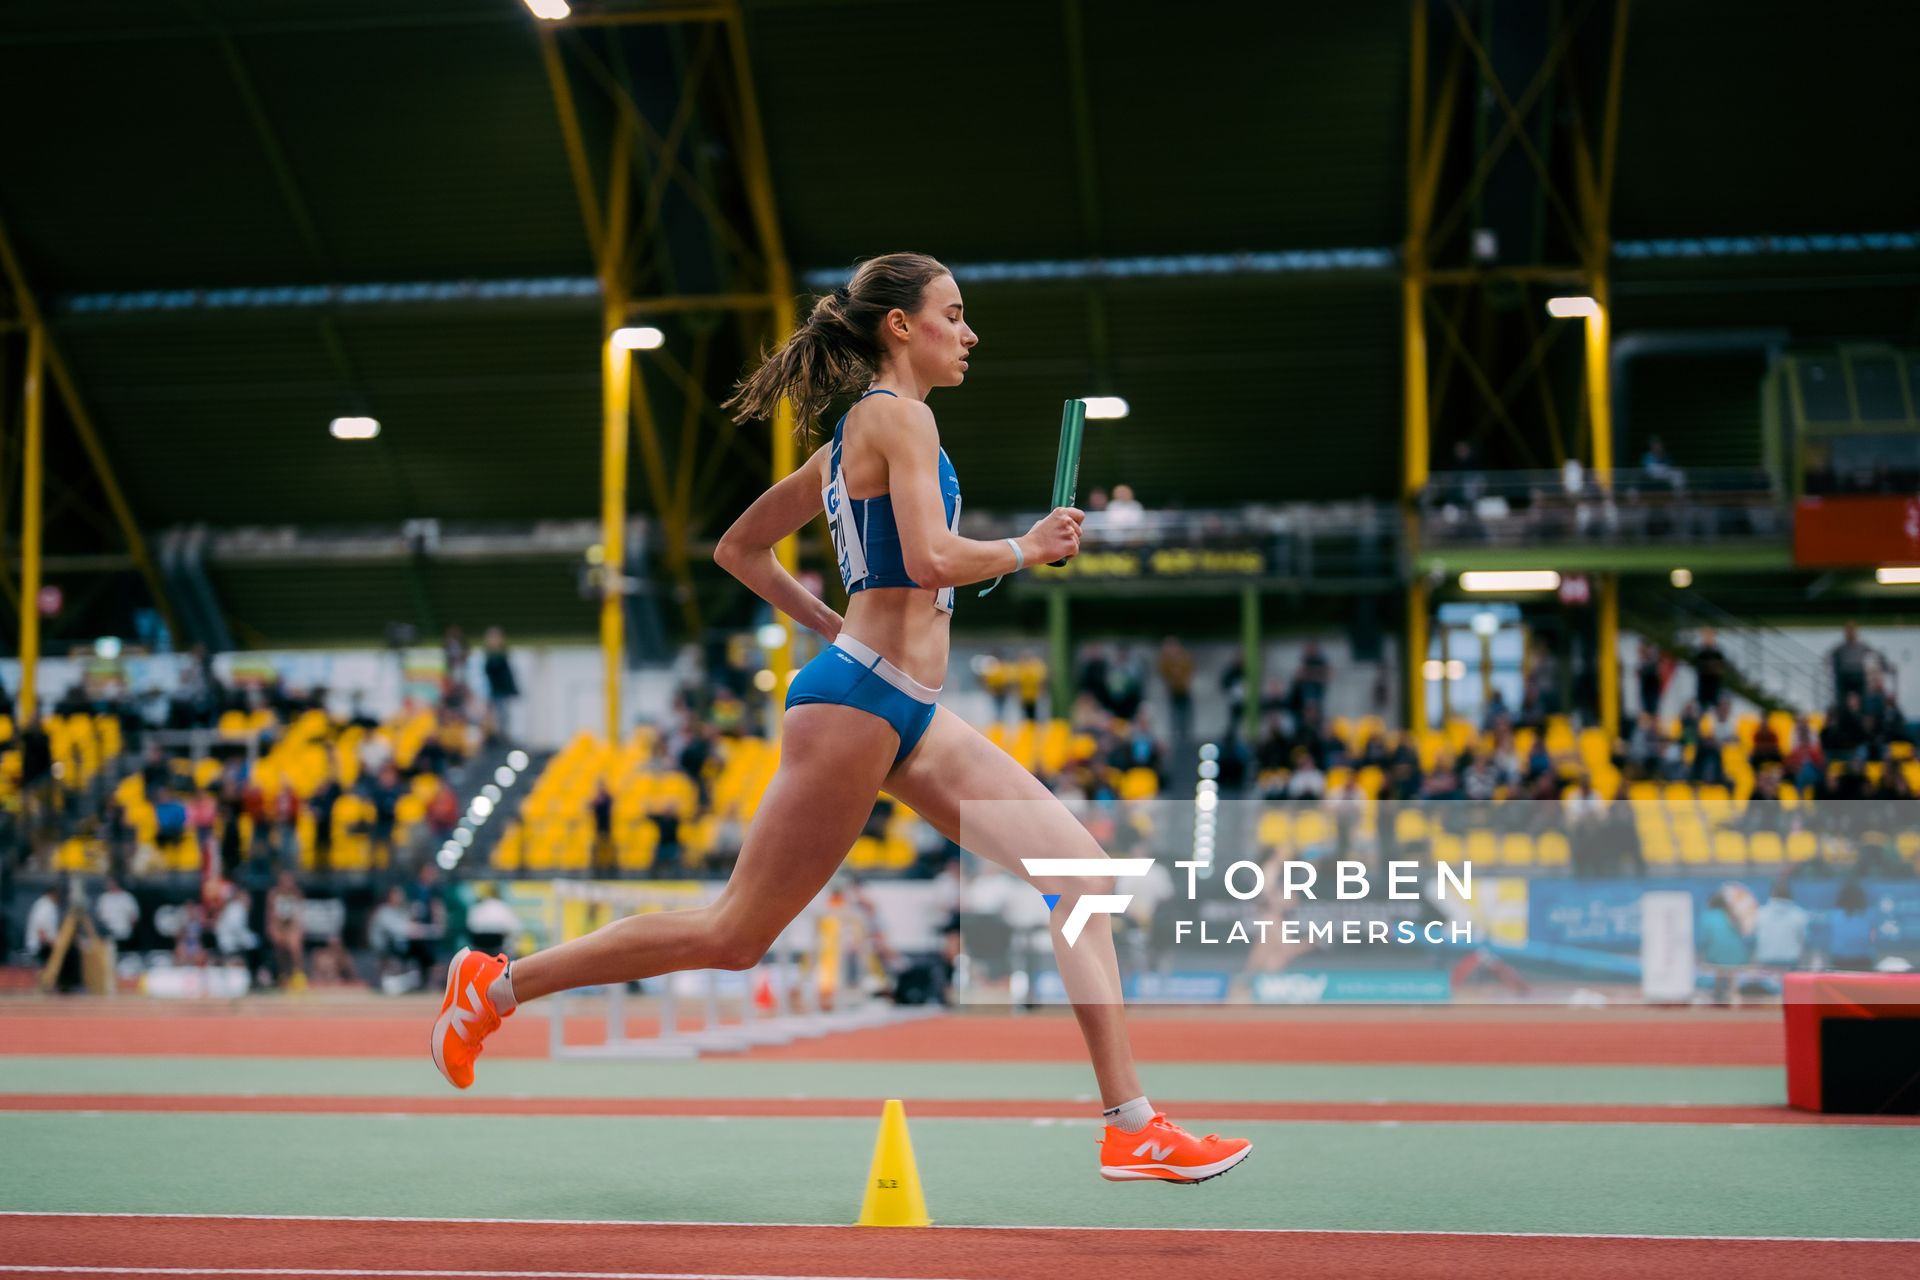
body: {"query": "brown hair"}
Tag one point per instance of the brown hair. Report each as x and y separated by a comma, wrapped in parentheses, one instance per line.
(838, 349)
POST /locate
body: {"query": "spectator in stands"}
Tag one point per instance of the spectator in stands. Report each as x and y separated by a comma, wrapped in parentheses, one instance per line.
(1307, 781)
(1650, 671)
(664, 812)
(383, 792)
(287, 931)
(1275, 748)
(1139, 749)
(1722, 947)
(1541, 696)
(1846, 728)
(427, 909)
(1780, 929)
(1806, 759)
(1124, 512)
(1311, 679)
(1233, 687)
(601, 807)
(1478, 781)
(190, 935)
(1850, 929)
(492, 924)
(1851, 661)
(1031, 677)
(233, 933)
(1766, 746)
(117, 912)
(321, 802)
(1496, 714)
(1659, 469)
(390, 933)
(702, 746)
(996, 677)
(1443, 782)
(1709, 669)
(453, 682)
(1176, 673)
(503, 690)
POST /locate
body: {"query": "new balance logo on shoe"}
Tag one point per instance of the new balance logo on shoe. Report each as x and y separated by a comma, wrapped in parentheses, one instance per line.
(1153, 1150)
(458, 1017)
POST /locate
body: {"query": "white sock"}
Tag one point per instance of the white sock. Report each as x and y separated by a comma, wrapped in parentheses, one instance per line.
(500, 992)
(1130, 1117)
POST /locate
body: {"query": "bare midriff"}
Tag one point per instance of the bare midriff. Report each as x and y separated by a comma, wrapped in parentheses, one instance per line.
(902, 625)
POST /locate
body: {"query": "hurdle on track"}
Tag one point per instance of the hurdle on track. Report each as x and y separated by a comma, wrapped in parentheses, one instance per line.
(785, 969)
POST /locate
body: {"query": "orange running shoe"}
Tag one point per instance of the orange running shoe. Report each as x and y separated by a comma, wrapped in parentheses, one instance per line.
(466, 1015)
(1165, 1152)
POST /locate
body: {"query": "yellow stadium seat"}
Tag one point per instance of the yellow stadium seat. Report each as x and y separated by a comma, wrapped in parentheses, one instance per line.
(1481, 848)
(1311, 828)
(1552, 849)
(1409, 825)
(1516, 849)
(1730, 847)
(1766, 848)
(1139, 784)
(1276, 827)
(1801, 845)
(1908, 842)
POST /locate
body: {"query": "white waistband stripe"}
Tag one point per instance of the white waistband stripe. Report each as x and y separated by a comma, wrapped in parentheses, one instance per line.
(886, 670)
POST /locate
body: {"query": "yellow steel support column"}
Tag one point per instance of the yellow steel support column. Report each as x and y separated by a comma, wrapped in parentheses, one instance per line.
(766, 223)
(1599, 387)
(1609, 655)
(616, 398)
(27, 701)
(83, 427)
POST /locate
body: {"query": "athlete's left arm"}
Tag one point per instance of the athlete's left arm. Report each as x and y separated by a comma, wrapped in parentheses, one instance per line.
(746, 549)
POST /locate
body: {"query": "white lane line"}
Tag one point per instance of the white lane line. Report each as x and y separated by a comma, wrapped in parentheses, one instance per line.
(938, 1226)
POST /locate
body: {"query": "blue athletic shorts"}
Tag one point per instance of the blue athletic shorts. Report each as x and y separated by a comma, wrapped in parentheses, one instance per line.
(849, 674)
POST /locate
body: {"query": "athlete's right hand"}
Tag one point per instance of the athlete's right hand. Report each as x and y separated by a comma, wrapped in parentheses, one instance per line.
(1055, 536)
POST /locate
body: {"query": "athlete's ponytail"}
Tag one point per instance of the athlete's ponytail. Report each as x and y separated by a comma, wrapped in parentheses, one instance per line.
(838, 349)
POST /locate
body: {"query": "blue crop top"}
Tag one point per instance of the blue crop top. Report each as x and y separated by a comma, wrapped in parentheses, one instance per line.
(865, 537)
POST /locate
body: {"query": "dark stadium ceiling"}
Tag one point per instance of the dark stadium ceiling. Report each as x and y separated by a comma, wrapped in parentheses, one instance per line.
(156, 145)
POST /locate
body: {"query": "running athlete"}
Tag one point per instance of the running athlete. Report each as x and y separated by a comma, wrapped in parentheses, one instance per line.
(863, 716)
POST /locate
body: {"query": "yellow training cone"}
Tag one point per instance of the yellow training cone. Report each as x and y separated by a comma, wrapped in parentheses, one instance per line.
(894, 1198)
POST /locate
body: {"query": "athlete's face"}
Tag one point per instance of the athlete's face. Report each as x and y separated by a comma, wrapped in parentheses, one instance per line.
(939, 340)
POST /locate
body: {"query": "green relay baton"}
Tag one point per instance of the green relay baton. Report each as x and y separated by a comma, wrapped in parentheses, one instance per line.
(1066, 463)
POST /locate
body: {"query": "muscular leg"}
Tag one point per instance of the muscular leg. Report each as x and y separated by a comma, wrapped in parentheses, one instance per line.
(955, 763)
(832, 761)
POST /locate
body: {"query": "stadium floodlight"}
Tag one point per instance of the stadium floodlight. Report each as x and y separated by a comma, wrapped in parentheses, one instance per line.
(481, 808)
(550, 10)
(505, 776)
(1682, 578)
(1486, 624)
(1434, 669)
(1568, 308)
(770, 635)
(517, 761)
(354, 428)
(463, 837)
(1107, 407)
(492, 792)
(447, 861)
(1510, 580)
(1456, 669)
(645, 338)
(1898, 576)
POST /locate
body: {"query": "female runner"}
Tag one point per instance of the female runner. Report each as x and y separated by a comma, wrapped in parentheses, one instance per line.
(863, 717)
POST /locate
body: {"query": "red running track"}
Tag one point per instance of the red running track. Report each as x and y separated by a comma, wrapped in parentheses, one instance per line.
(935, 1109)
(1551, 1039)
(370, 1248)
